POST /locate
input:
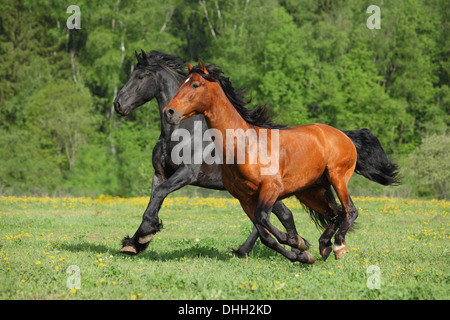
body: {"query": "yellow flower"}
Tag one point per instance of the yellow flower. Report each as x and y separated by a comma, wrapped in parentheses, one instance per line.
(38, 262)
(73, 291)
(133, 297)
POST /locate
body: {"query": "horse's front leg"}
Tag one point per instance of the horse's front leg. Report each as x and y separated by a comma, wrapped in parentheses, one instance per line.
(267, 196)
(151, 224)
(287, 220)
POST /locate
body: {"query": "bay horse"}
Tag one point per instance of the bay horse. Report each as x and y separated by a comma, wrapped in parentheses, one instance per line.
(310, 159)
(158, 75)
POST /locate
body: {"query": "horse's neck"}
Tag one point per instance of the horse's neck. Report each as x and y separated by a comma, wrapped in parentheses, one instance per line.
(224, 117)
(168, 88)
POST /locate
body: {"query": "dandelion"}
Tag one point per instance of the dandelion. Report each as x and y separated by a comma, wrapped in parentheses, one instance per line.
(73, 291)
(38, 263)
(133, 297)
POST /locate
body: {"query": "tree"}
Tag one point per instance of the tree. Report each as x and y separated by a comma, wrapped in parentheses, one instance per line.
(430, 165)
(61, 115)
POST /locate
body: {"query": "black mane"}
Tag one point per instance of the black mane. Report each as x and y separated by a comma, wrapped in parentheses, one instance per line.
(258, 116)
(158, 59)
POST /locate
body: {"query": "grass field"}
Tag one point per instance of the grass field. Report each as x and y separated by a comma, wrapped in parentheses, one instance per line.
(406, 240)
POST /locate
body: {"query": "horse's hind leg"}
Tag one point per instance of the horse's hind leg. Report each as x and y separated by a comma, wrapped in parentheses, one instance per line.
(351, 215)
(324, 209)
(340, 185)
(247, 246)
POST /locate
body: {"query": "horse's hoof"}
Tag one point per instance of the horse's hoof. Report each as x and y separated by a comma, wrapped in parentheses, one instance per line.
(305, 257)
(325, 252)
(310, 258)
(129, 250)
(239, 253)
(302, 246)
(339, 251)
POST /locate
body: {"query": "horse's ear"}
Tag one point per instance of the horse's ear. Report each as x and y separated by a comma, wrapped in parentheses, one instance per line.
(143, 54)
(190, 67)
(137, 55)
(202, 67)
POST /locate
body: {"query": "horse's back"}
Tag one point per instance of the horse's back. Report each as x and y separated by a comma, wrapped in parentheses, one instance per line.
(313, 148)
(340, 150)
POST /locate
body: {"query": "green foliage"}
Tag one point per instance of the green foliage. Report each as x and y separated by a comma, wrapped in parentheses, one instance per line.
(307, 60)
(430, 166)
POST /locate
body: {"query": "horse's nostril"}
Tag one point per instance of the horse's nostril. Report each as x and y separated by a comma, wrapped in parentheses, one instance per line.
(170, 111)
(117, 105)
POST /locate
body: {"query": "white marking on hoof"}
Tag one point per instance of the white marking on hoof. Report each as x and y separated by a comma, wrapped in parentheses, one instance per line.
(339, 250)
(144, 240)
(129, 250)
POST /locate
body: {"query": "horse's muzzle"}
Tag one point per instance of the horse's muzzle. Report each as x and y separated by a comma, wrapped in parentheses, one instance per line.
(171, 116)
(119, 109)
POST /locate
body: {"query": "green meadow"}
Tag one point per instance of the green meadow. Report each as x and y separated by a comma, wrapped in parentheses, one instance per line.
(398, 251)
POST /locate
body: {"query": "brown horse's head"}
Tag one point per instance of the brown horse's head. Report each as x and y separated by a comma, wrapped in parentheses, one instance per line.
(193, 95)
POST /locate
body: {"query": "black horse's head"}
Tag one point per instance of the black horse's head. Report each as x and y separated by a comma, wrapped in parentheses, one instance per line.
(145, 80)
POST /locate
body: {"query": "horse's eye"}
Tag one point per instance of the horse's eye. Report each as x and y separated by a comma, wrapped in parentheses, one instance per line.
(195, 85)
(141, 76)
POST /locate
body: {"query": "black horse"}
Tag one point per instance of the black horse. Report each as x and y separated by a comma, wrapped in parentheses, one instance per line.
(158, 75)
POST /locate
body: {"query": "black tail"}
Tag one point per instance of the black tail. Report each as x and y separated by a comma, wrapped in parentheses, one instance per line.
(372, 161)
